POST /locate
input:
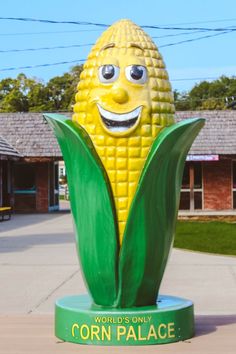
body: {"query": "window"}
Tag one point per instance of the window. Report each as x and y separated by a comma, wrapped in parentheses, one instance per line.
(184, 200)
(24, 187)
(191, 191)
(234, 183)
(24, 178)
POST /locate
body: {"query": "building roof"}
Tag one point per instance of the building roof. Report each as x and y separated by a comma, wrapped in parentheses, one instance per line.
(29, 134)
(7, 150)
(218, 135)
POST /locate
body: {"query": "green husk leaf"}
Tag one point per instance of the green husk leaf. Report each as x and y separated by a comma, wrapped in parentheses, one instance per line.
(151, 222)
(93, 210)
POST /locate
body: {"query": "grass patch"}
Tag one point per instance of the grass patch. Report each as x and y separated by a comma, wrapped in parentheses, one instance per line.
(212, 237)
(62, 197)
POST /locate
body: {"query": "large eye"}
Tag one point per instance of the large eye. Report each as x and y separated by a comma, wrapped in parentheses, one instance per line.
(136, 74)
(108, 73)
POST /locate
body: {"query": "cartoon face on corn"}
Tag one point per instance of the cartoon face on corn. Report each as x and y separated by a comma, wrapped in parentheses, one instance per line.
(119, 80)
(124, 158)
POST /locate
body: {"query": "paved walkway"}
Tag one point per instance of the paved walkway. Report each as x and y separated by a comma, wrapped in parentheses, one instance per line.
(38, 264)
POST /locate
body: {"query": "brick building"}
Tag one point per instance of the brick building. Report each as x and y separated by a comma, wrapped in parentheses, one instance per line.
(29, 156)
(209, 181)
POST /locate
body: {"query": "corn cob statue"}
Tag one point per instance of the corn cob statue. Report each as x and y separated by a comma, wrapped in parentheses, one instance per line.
(124, 157)
(124, 99)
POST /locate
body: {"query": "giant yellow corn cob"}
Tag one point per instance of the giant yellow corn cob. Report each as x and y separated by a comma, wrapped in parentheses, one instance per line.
(123, 151)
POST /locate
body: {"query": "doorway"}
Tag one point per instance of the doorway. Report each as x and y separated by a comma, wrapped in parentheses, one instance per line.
(192, 190)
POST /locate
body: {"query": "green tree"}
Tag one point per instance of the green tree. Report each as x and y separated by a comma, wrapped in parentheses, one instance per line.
(25, 94)
(21, 94)
(213, 95)
(12, 97)
(37, 97)
(182, 101)
(208, 95)
(61, 90)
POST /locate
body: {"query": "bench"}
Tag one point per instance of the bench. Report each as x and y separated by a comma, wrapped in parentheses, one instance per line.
(5, 211)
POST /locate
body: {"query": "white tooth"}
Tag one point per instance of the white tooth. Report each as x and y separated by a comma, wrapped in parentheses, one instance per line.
(117, 129)
(119, 117)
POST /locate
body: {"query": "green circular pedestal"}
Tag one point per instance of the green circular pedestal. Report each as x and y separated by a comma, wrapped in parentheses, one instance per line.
(77, 320)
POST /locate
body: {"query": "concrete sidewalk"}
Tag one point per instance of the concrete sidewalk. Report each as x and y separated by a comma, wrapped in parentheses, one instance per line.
(39, 264)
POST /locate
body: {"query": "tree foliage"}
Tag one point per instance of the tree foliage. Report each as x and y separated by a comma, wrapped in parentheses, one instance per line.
(218, 94)
(24, 94)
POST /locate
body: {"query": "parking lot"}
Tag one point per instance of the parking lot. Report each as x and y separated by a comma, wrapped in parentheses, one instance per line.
(39, 264)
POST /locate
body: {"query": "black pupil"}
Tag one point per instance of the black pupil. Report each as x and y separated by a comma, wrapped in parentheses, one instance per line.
(136, 72)
(108, 71)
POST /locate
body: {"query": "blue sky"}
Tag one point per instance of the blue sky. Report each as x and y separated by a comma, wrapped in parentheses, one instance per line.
(210, 57)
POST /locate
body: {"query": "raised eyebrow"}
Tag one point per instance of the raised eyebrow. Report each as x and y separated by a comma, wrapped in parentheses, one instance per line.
(110, 45)
(134, 45)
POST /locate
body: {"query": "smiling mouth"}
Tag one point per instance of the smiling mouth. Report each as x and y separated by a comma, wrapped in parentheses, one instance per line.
(118, 123)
